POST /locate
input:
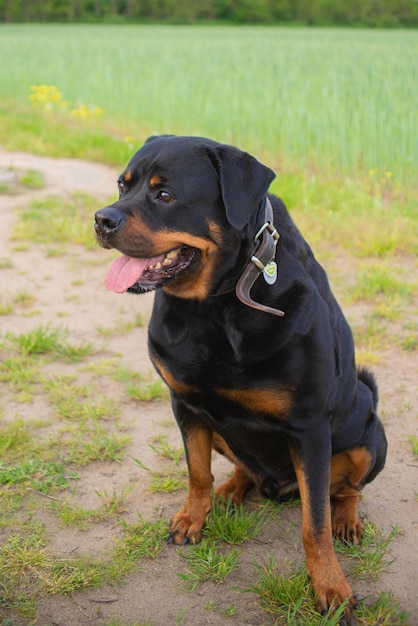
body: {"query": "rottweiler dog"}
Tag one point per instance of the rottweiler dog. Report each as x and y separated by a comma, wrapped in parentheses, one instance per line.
(250, 340)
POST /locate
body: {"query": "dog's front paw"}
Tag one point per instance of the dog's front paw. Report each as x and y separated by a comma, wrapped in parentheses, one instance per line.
(186, 526)
(331, 590)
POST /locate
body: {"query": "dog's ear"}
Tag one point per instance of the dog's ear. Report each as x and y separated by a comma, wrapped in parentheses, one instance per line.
(244, 182)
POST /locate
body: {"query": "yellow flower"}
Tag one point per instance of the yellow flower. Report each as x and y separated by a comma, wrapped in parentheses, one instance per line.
(49, 98)
(46, 95)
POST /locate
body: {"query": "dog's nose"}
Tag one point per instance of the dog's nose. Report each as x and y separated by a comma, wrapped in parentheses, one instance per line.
(108, 220)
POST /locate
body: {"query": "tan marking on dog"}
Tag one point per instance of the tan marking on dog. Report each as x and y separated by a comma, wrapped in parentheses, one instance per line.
(189, 521)
(276, 403)
(194, 284)
(127, 176)
(349, 468)
(177, 386)
(216, 232)
(155, 180)
(147, 243)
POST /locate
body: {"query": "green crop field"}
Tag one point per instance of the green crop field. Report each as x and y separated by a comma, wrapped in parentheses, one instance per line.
(337, 101)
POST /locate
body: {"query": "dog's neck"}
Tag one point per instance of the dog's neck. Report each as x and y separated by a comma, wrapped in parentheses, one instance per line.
(261, 262)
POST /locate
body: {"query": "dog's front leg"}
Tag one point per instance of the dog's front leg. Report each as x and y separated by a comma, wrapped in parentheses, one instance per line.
(187, 524)
(311, 456)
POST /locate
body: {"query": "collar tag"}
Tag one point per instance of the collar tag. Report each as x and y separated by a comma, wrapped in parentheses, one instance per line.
(270, 273)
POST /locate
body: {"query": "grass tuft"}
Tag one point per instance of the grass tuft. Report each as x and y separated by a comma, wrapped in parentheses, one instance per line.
(39, 475)
(370, 557)
(205, 562)
(145, 392)
(235, 524)
(142, 540)
(413, 440)
(47, 340)
(32, 179)
(288, 595)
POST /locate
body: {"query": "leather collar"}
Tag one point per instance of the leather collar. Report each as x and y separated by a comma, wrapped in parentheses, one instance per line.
(266, 241)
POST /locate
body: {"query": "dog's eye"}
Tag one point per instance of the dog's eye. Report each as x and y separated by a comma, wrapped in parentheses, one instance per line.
(121, 186)
(165, 197)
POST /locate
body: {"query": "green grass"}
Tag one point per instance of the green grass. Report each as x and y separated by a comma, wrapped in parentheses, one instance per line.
(173, 474)
(235, 524)
(32, 179)
(139, 388)
(54, 222)
(122, 327)
(335, 100)
(206, 561)
(144, 539)
(22, 180)
(86, 422)
(167, 480)
(285, 592)
(40, 475)
(113, 505)
(413, 439)
(39, 471)
(369, 559)
(378, 281)
(46, 340)
(27, 570)
(146, 391)
(21, 374)
(162, 446)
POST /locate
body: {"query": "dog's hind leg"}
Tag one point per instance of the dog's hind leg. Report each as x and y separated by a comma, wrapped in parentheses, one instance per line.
(234, 489)
(349, 471)
(353, 468)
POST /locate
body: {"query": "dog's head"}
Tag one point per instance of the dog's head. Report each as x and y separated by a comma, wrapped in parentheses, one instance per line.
(182, 218)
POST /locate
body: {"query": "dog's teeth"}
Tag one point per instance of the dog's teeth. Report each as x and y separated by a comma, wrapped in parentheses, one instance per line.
(166, 261)
(172, 254)
(158, 266)
(151, 267)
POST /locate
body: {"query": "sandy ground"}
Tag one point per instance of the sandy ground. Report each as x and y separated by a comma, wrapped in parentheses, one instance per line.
(154, 592)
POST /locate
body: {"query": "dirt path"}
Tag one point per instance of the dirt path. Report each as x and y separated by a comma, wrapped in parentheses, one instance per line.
(154, 593)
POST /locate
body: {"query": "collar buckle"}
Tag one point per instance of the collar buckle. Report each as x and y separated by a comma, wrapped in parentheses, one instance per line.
(272, 230)
(260, 264)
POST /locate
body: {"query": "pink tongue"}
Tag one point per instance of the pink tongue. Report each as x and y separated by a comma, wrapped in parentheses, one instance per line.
(125, 271)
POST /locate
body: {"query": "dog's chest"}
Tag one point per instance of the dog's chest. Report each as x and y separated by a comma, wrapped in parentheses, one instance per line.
(197, 366)
(218, 371)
